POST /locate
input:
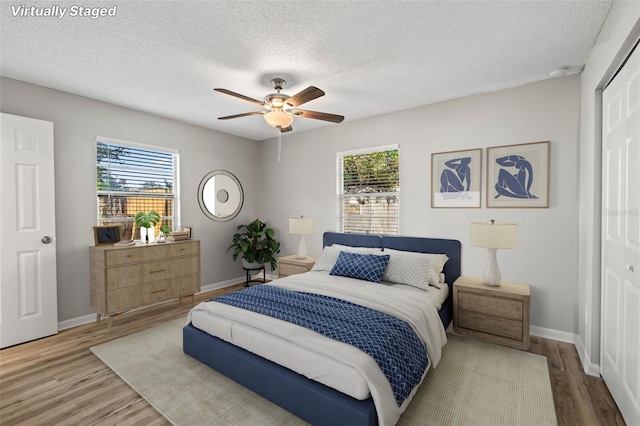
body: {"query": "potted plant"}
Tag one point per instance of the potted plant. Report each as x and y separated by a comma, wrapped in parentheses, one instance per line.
(256, 245)
(165, 230)
(147, 222)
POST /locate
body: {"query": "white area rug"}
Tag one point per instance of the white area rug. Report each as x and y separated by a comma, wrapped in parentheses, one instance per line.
(476, 383)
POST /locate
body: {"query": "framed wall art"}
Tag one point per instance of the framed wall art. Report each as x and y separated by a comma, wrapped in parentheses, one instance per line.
(518, 175)
(455, 179)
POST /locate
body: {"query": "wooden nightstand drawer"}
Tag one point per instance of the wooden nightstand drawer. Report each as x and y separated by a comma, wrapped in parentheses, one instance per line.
(496, 314)
(291, 265)
(494, 306)
(288, 269)
(491, 325)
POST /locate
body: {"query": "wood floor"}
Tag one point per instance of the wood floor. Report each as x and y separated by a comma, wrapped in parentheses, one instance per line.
(58, 381)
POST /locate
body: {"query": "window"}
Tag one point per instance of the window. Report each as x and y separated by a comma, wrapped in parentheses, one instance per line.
(369, 190)
(133, 178)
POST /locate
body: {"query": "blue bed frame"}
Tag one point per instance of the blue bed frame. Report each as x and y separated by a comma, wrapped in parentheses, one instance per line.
(312, 401)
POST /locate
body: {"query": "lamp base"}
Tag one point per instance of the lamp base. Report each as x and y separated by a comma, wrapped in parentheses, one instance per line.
(302, 249)
(492, 276)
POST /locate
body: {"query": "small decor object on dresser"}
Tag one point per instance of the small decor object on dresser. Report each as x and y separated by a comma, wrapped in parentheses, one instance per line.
(146, 223)
(291, 265)
(495, 314)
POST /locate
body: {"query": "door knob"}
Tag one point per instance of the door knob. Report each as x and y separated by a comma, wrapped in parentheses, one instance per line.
(630, 268)
(47, 239)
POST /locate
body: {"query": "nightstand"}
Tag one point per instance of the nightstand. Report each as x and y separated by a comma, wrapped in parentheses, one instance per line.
(291, 265)
(495, 314)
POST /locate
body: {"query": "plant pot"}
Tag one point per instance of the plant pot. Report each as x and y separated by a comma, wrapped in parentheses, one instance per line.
(252, 265)
(143, 234)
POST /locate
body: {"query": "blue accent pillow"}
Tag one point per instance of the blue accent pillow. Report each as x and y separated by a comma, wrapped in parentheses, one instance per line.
(369, 267)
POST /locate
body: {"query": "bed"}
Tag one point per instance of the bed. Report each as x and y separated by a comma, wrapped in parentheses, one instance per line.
(314, 401)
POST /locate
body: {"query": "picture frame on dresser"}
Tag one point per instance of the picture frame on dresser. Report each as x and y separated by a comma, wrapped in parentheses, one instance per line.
(107, 234)
(456, 179)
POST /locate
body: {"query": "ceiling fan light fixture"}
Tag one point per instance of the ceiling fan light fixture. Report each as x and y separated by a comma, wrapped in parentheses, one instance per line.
(278, 119)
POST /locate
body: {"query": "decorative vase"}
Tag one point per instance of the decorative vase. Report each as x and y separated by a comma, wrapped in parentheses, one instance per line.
(143, 234)
(151, 234)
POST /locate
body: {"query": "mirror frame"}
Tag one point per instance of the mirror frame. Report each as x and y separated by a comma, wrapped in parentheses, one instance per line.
(203, 206)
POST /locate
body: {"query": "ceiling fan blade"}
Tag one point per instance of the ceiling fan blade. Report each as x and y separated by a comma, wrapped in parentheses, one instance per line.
(286, 129)
(318, 115)
(246, 114)
(308, 94)
(238, 95)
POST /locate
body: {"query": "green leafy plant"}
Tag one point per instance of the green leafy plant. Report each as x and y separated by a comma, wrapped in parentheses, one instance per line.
(256, 244)
(147, 220)
(165, 229)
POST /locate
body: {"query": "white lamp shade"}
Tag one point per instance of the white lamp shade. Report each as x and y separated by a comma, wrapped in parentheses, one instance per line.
(302, 225)
(278, 119)
(493, 235)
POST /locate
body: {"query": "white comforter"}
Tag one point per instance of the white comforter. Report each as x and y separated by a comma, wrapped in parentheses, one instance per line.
(406, 303)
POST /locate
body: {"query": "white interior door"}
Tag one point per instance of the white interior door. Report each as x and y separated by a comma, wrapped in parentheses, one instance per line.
(28, 293)
(620, 337)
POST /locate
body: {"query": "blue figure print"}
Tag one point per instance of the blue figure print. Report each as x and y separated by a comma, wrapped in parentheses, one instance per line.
(456, 179)
(516, 185)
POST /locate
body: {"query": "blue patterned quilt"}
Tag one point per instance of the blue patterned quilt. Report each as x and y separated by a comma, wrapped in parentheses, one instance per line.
(391, 342)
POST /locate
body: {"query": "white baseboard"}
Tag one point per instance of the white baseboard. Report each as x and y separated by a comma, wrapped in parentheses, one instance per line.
(563, 336)
(589, 368)
(86, 319)
(74, 322)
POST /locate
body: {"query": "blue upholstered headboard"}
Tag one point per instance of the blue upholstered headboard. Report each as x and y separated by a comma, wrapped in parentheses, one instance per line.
(452, 248)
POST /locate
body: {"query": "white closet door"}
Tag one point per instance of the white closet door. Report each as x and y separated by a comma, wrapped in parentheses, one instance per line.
(620, 337)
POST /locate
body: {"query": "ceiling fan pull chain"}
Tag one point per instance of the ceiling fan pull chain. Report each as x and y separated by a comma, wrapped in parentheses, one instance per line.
(279, 141)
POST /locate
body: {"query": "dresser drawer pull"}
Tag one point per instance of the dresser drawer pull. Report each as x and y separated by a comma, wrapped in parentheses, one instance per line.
(158, 291)
(157, 271)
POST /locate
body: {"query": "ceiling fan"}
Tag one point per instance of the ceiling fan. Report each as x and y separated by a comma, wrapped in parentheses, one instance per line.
(280, 109)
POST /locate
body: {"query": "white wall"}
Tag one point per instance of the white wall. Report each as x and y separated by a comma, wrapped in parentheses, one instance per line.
(618, 35)
(77, 122)
(304, 183)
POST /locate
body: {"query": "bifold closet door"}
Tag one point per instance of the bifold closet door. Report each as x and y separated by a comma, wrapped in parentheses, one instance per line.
(620, 314)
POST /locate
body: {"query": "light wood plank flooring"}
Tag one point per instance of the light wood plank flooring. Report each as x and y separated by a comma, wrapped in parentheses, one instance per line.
(58, 381)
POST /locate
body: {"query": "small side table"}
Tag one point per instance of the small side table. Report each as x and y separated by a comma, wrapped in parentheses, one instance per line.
(248, 275)
(495, 314)
(291, 265)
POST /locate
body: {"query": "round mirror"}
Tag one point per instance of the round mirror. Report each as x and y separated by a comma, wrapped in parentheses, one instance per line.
(220, 195)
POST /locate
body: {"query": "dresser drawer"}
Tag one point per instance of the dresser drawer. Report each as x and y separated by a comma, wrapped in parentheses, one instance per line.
(185, 249)
(495, 306)
(126, 256)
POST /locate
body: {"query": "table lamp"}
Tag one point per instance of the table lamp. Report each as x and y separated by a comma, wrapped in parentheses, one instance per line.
(302, 226)
(493, 236)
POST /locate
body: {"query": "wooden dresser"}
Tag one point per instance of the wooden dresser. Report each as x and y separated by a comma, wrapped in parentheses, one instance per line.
(129, 277)
(291, 265)
(495, 314)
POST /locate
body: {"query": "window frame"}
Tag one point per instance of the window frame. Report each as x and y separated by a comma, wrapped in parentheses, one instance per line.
(340, 196)
(176, 218)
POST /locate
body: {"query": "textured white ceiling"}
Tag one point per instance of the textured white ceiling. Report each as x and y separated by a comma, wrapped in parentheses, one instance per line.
(370, 57)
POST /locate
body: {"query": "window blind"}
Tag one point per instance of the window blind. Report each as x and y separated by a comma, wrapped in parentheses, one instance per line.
(131, 179)
(369, 191)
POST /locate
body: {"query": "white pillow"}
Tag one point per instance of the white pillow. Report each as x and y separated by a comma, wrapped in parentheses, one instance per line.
(330, 255)
(415, 269)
